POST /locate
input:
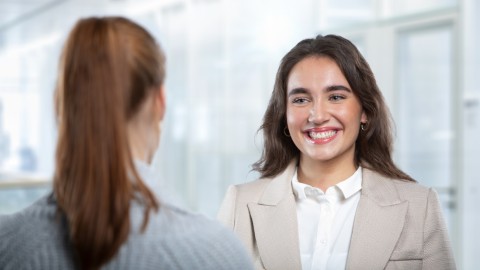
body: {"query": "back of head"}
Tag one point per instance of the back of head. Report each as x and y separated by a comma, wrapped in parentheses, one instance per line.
(373, 147)
(107, 68)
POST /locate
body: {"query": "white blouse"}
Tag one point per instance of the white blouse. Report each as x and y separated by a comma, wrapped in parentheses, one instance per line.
(325, 221)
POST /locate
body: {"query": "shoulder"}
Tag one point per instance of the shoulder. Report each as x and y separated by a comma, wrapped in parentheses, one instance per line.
(384, 188)
(181, 223)
(410, 188)
(274, 187)
(28, 220)
(269, 191)
(251, 191)
(185, 240)
(26, 236)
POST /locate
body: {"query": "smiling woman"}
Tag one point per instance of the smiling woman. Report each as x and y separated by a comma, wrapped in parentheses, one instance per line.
(330, 196)
(323, 119)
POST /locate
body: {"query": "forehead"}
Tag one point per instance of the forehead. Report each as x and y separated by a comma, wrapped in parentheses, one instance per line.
(316, 72)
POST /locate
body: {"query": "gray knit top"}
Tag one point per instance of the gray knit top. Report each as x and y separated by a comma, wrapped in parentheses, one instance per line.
(37, 238)
(174, 239)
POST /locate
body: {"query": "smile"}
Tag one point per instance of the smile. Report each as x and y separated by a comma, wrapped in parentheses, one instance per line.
(322, 135)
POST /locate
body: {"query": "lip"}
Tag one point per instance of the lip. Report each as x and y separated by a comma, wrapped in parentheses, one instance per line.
(306, 134)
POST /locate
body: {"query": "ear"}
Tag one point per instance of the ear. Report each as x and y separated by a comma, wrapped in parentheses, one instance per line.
(160, 102)
(364, 118)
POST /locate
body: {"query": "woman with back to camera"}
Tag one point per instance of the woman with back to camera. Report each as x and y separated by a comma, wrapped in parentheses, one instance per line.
(102, 214)
(330, 196)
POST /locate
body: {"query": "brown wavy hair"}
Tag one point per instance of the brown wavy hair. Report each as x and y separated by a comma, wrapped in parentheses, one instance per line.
(373, 146)
(107, 68)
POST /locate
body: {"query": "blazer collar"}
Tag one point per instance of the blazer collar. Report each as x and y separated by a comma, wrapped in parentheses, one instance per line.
(378, 223)
(275, 225)
(379, 188)
(279, 186)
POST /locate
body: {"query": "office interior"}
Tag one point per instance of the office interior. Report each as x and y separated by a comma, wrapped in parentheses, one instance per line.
(222, 56)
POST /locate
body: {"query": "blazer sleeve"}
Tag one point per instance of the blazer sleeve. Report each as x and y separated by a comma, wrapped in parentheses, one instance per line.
(437, 247)
(226, 214)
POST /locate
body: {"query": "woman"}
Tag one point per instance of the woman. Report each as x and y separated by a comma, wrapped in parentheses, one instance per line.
(330, 196)
(102, 214)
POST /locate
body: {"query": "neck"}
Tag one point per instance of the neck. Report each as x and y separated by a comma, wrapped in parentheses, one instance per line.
(144, 129)
(324, 174)
(140, 142)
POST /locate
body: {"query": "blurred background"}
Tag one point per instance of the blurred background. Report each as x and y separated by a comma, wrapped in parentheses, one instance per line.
(222, 57)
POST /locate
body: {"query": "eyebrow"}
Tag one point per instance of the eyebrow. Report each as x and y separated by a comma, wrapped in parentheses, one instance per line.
(301, 90)
(338, 87)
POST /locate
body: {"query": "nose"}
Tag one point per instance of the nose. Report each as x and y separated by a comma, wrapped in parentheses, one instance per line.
(318, 114)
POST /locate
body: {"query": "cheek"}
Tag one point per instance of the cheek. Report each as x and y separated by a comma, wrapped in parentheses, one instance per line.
(351, 115)
(290, 118)
(295, 117)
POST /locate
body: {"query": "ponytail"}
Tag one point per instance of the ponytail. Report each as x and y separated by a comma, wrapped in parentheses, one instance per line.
(95, 178)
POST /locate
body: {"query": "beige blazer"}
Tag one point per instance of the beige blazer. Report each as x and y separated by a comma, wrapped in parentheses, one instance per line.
(398, 224)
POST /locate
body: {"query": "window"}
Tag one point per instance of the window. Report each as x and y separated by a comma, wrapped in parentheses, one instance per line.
(426, 131)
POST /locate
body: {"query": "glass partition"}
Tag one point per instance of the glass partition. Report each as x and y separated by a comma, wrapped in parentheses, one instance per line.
(425, 124)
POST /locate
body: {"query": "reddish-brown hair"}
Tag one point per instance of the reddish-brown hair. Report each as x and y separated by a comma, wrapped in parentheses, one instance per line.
(107, 68)
(373, 146)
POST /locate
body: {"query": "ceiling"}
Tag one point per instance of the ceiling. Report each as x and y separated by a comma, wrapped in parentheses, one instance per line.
(15, 12)
(24, 20)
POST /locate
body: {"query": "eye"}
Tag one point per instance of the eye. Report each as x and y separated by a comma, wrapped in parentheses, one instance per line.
(300, 100)
(336, 97)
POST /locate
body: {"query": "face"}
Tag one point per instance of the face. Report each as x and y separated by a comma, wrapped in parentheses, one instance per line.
(323, 113)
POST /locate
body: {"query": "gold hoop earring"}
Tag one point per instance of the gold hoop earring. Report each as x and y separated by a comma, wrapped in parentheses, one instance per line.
(286, 132)
(363, 126)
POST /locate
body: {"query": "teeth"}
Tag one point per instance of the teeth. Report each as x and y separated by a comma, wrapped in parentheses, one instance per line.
(322, 135)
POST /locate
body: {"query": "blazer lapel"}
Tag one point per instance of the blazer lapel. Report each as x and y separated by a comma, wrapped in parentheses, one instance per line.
(274, 220)
(378, 223)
